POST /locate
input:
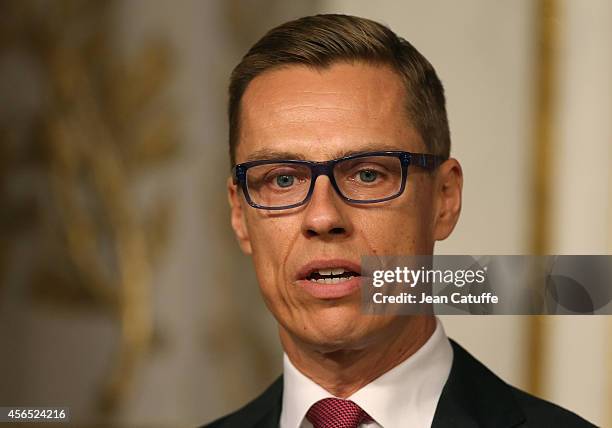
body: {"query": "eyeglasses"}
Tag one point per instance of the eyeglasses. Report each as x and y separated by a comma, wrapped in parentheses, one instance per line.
(363, 178)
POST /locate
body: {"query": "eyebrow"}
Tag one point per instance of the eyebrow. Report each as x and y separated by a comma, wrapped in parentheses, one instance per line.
(270, 154)
(369, 148)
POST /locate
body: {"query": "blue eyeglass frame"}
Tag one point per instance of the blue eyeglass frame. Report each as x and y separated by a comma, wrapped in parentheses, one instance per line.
(423, 160)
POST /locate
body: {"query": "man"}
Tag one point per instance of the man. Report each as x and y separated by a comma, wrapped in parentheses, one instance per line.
(340, 145)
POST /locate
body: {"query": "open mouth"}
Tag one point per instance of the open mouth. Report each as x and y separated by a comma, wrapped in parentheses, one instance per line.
(330, 278)
(331, 275)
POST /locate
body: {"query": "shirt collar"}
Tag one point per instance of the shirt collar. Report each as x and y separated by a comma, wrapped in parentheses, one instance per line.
(406, 395)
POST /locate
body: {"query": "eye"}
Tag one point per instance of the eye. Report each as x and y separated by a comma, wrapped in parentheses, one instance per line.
(368, 175)
(284, 180)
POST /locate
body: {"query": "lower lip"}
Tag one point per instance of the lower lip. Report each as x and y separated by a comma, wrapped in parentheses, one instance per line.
(331, 291)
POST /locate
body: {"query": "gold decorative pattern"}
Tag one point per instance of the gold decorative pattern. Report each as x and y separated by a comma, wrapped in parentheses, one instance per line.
(544, 88)
(99, 123)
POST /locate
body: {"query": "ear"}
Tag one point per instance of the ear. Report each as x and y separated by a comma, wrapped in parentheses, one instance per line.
(237, 216)
(448, 187)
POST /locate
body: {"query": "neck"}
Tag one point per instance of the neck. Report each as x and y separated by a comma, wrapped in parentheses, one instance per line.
(342, 372)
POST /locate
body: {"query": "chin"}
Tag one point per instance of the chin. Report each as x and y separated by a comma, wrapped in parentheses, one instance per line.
(338, 328)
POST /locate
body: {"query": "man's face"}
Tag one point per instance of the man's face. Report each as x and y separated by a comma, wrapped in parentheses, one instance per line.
(320, 115)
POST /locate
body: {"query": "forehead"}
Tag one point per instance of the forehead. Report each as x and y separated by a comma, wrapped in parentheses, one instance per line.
(319, 113)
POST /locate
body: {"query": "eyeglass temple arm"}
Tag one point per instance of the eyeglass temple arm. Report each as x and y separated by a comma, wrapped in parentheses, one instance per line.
(425, 160)
(237, 172)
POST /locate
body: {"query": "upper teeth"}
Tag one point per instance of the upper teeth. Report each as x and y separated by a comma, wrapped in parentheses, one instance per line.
(333, 271)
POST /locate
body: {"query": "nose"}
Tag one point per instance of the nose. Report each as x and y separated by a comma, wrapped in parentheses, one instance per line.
(325, 215)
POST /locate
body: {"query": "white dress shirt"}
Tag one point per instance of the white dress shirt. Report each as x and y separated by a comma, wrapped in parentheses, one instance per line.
(405, 396)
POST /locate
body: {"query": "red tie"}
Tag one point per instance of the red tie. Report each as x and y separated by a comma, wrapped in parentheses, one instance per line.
(336, 413)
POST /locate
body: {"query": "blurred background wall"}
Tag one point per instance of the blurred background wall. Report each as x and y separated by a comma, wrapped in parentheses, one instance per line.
(122, 292)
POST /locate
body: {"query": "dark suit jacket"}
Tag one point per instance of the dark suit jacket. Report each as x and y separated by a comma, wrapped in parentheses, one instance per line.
(472, 397)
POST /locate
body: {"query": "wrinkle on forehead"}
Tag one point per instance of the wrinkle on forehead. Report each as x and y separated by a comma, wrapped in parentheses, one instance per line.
(337, 88)
(346, 101)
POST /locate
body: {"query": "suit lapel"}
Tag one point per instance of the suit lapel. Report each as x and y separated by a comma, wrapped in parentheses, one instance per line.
(263, 412)
(475, 397)
(272, 418)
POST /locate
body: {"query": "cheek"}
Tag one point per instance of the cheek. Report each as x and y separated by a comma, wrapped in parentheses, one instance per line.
(271, 242)
(271, 235)
(404, 227)
(402, 234)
